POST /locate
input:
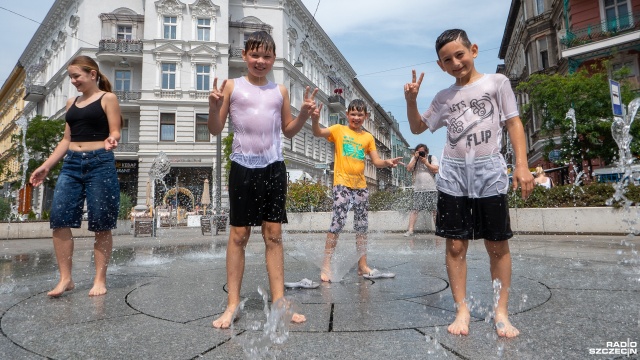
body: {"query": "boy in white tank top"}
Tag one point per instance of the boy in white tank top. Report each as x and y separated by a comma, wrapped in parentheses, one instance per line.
(259, 111)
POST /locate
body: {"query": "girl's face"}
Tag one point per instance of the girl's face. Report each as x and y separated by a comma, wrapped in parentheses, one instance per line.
(81, 79)
(356, 119)
(259, 62)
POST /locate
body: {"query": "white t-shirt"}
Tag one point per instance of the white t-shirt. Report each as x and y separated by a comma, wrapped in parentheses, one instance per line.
(423, 178)
(474, 116)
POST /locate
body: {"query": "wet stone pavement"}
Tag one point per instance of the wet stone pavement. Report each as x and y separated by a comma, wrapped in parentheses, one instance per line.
(571, 296)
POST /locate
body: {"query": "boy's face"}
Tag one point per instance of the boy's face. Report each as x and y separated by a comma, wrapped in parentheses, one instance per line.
(259, 62)
(356, 119)
(457, 60)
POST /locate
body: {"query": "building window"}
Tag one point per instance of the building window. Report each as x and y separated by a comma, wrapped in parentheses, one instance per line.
(544, 53)
(167, 127)
(629, 65)
(204, 29)
(203, 77)
(617, 15)
(124, 32)
(124, 132)
(539, 7)
(202, 130)
(168, 76)
(123, 80)
(170, 26)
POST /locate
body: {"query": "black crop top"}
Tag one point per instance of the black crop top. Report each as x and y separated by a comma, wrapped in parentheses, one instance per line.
(88, 123)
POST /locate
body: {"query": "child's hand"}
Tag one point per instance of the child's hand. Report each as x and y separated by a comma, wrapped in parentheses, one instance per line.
(394, 162)
(522, 177)
(216, 96)
(110, 143)
(309, 103)
(315, 115)
(411, 89)
(38, 176)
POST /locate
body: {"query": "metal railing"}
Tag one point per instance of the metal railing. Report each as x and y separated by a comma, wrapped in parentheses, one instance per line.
(120, 46)
(336, 99)
(127, 147)
(128, 95)
(235, 53)
(601, 30)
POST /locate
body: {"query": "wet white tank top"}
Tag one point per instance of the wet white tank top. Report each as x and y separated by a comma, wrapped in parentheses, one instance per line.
(256, 120)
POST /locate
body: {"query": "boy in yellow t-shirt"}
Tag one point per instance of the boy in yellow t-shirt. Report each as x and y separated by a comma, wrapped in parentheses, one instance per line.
(352, 143)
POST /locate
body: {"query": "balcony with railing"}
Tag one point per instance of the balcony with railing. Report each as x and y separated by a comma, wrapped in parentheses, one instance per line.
(235, 52)
(127, 148)
(35, 92)
(336, 102)
(602, 30)
(125, 96)
(120, 46)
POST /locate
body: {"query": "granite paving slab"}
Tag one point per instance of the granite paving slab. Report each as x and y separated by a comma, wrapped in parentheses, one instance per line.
(569, 294)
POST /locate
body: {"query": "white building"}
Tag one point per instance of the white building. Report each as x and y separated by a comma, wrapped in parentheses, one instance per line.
(161, 58)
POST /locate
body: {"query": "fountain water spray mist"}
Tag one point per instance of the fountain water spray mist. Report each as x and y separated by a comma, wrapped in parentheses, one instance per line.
(159, 169)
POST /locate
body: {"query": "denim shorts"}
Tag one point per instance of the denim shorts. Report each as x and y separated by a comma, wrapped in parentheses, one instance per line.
(90, 176)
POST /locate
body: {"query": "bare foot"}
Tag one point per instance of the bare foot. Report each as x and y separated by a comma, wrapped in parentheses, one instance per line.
(460, 326)
(364, 270)
(504, 327)
(298, 318)
(62, 286)
(98, 289)
(227, 317)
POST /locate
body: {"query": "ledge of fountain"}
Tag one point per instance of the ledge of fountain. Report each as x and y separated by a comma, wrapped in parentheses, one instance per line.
(41, 230)
(577, 220)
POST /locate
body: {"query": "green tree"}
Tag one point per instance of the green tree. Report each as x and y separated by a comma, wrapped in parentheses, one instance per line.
(227, 147)
(586, 91)
(126, 204)
(304, 195)
(42, 137)
(5, 209)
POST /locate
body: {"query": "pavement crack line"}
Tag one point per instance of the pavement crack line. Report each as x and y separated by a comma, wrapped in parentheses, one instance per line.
(443, 345)
(217, 346)
(331, 318)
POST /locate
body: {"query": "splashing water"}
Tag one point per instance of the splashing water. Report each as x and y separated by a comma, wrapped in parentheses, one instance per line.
(159, 169)
(571, 115)
(620, 130)
(275, 330)
(22, 124)
(335, 264)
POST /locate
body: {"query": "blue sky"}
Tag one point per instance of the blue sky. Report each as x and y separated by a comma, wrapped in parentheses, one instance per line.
(382, 41)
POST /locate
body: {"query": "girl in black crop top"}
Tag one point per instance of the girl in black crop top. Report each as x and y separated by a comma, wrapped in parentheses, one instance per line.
(91, 132)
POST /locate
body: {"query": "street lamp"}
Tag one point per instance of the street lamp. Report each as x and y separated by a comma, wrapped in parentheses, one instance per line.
(299, 63)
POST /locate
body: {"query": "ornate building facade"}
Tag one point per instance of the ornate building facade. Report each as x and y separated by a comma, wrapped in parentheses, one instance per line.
(161, 58)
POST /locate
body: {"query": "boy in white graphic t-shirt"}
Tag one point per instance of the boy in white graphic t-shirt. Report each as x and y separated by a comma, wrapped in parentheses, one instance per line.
(472, 182)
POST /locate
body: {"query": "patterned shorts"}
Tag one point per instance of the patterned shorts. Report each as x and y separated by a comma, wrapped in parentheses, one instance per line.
(345, 198)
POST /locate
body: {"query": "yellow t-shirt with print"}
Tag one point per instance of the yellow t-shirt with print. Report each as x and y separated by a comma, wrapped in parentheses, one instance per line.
(349, 158)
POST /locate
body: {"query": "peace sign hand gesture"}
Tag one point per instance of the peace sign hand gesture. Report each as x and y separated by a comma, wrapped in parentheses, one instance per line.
(309, 103)
(411, 89)
(216, 96)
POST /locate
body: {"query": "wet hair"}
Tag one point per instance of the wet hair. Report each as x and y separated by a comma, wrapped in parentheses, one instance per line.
(87, 65)
(357, 105)
(426, 149)
(452, 35)
(260, 39)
